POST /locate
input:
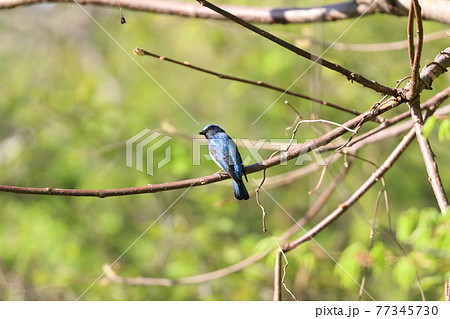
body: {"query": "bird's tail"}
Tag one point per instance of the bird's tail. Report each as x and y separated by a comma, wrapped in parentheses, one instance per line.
(240, 192)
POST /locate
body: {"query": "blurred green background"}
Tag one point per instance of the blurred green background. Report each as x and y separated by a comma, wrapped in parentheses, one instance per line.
(70, 97)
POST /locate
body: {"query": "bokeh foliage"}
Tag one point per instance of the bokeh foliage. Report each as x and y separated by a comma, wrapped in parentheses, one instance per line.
(70, 97)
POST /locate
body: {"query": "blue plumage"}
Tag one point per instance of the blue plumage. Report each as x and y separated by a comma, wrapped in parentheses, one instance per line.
(224, 152)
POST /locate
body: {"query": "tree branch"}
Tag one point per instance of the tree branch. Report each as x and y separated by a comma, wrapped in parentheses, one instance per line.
(415, 53)
(139, 51)
(277, 278)
(428, 158)
(372, 47)
(429, 73)
(432, 10)
(351, 76)
(432, 103)
(318, 204)
(342, 208)
(154, 188)
(382, 132)
(414, 105)
(146, 281)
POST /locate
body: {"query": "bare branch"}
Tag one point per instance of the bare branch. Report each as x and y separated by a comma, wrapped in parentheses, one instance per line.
(372, 47)
(414, 52)
(139, 51)
(430, 72)
(436, 10)
(351, 76)
(410, 35)
(342, 208)
(428, 157)
(386, 133)
(154, 188)
(291, 176)
(277, 295)
(432, 103)
(371, 236)
(432, 10)
(318, 204)
(416, 114)
(146, 281)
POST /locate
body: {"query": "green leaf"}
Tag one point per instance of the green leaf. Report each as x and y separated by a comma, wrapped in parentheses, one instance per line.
(428, 126)
(307, 259)
(348, 269)
(406, 224)
(444, 130)
(378, 253)
(404, 273)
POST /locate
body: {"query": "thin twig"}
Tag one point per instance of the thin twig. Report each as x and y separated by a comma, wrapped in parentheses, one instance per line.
(280, 250)
(410, 34)
(278, 282)
(122, 18)
(139, 51)
(322, 175)
(318, 203)
(432, 103)
(291, 176)
(297, 116)
(277, 272)
(277, 295)
(371, 236)
(283, 278)
(372, 47)
(374, 107)
(146, 281)
(404, 252)
(414, 52)
(294, 132)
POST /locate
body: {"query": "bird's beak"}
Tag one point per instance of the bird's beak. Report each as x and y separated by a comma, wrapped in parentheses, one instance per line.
(202, 133)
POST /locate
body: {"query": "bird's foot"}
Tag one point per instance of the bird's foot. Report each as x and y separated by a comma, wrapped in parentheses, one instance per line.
(222, 173)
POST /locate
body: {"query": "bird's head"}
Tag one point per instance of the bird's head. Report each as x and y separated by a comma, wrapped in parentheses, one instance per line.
(211, 130)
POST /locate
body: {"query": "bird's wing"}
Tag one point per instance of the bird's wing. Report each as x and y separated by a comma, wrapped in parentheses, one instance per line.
(242, 165)
(238, 167)
(223, 153)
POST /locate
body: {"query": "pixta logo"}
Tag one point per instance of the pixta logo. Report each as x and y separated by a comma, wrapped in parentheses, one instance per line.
(308, 150)
(142, 147)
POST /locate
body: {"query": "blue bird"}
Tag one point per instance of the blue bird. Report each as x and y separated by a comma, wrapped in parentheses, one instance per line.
(224, 152)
